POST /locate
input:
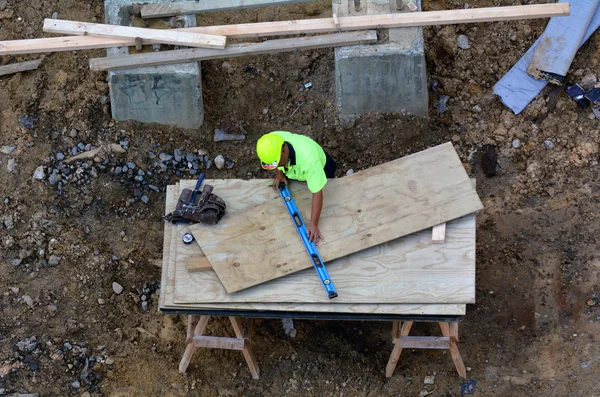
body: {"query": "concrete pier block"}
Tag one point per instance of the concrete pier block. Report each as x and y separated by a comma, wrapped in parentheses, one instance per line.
(386, 77)
(167, 94)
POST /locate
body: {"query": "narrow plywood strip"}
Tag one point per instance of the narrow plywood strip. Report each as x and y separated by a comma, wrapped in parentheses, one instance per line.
(246, 191)
(360, 211)
(438, 234)
(148, 36)
(306, 26)
(19, 67)
(194, 7)
(233, 50)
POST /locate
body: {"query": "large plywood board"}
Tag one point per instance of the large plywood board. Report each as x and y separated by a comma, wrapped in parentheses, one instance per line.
(169, 272)
(360, 211)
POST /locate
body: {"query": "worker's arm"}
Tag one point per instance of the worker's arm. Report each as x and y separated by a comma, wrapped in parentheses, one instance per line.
(314, 234)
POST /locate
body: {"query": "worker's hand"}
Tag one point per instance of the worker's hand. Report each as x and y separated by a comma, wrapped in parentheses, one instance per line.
(279, 177)
(314, 234)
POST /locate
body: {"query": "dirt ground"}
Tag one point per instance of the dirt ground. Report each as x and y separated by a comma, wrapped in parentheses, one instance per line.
(63, 331)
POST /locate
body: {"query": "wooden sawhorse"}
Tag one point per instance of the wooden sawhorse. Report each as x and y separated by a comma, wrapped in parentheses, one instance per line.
(196, 339)
(401, 340)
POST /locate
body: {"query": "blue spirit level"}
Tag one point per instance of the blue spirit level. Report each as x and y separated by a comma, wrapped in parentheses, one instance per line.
(311, 249)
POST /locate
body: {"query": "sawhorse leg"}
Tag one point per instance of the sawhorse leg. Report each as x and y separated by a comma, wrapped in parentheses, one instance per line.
(401, 340)
(196, 339)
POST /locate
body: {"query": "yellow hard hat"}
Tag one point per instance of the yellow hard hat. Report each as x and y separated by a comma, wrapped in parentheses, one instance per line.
(268, 149)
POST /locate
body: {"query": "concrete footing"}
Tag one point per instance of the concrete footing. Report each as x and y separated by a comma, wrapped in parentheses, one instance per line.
(168, 94)
(386, 77)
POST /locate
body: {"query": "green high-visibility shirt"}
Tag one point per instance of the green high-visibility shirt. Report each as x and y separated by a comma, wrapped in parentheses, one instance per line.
(310, 161)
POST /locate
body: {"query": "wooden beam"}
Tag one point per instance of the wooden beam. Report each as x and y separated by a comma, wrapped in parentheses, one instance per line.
(195, 7)
(233, 50)
(452, 333)
(438, 234)
(395, 356)
(19, 67)
(218, 342)
(148, 36)
(423, 342)
(198, 264)
(307, 26)
(248, 355)
(190, 348)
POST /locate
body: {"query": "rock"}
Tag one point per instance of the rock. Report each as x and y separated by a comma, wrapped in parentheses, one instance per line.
(60, 156)
(208, 164)
(54, 260)
(27, 122)
(202, 152)
(588, 81)
(145, 306)
(7, 149)
(141, 172)
(17, 262)
(219, 162)
(349, 172)
(131, 165)
(9, 222)
(76, 384)
(52, 307)
(73, 133)
(549, 144)
(477, 108)
(109, 361)
(81, 146)
(222, 135)
(165, 157)
(55, 15)
(190, 157)
(101, 301)
(178, 154)
(516, 143)
(139, 178)
(429, 380)
(39, 173)
(118, 171)
(67, 346)
(74, 150)
(53, 178)
(463, 42)
(117, 288)
(229, 163)
(145, 199)
(10, 166)
(153, 188)
(27, 299)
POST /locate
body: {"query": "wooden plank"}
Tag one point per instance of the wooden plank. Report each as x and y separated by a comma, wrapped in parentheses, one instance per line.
(452, 333)
(170, 202)
(406, 270)
(248, 193)
(360, 211)
(423, 342)
(19, 67)
(306, 26)
(217, 342)
(148, 36)
(194, 7)
(395, 356)
(438, 234)
(198, 264)
(248, 355)
(233, 50)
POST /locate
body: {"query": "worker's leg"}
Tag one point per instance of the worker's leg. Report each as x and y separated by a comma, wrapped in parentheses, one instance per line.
(330, 166)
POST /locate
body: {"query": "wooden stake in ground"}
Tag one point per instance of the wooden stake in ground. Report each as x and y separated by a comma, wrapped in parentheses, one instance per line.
(306, 26)
(148, 36)
(233, 50)
(19, 67)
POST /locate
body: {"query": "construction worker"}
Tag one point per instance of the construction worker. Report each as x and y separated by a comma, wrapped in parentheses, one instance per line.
(300, 158)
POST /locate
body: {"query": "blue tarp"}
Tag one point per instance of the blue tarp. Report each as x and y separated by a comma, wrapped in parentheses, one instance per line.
(517, 88)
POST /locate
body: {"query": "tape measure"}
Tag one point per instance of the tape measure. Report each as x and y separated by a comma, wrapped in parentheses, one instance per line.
(188, 238)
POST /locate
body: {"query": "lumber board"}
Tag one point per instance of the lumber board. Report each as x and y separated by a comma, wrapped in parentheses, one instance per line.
(148, 36)
(305, 26)
(19, 67)
(198, 264)
(195, 7)
(423, 342)
(248, 192)
(233, 50)
(217, 342)
(360, 211)
(438, 234)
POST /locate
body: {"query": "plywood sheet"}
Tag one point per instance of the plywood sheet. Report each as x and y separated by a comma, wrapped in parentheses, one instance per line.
(168, 275)
(360, 211)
